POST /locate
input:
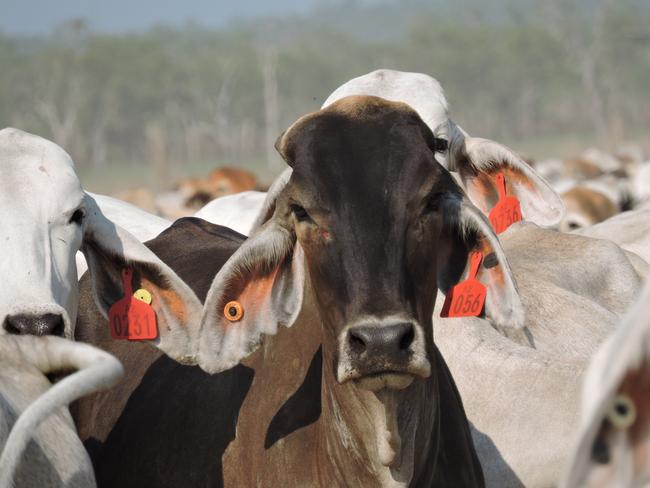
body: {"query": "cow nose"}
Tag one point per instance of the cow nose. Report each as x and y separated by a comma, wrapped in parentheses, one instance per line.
(385, 340)
(40, 325)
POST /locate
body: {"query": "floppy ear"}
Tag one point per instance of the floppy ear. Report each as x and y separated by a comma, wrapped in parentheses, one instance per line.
(466, 229)
(109, 249)
(259, 288)
(478, 161)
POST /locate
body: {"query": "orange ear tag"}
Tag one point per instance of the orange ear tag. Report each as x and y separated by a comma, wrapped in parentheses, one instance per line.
(466, 299)
(131, 317)
(507, 211)
(233, 311)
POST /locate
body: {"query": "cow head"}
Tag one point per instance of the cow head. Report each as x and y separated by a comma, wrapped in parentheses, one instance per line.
(46, 219)
(477, 161)
(370, 222)
(613, 447)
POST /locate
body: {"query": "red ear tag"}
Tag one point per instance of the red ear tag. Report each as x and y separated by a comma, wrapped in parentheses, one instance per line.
(507, 211)
(466, 299)
(131, 318)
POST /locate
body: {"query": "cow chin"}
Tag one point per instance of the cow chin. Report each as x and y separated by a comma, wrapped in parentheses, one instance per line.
(390, 381)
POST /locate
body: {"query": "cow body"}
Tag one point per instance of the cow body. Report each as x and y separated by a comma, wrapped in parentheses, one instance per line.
(522, 397)
(611, 447)
(154, 429)
(630, 230)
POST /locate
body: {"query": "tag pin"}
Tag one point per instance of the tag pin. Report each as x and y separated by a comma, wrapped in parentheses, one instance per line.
(233, 311)
(143, 295)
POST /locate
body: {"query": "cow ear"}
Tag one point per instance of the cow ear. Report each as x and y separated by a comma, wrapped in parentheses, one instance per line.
(466, 229)
(258, 289)
(479, 161)
(109, 250)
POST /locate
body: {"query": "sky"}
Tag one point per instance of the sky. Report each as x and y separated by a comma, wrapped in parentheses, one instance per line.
(29, 17)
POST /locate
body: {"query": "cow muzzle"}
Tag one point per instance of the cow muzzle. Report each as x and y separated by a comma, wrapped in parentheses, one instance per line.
(386, 354)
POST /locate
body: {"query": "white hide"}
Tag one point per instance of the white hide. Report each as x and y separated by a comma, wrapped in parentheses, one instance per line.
(630, 230)
(140, 223)
(39, 445)
(237, 211)
(39, 192)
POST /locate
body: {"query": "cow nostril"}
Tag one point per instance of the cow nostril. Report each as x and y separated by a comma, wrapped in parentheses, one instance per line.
(407, 338)
(59, 328)
(10, 327)
(357, 343)
(40, 325)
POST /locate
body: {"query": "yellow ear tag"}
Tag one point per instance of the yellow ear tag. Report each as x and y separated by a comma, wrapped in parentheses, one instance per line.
(233, 311)
(143, 295)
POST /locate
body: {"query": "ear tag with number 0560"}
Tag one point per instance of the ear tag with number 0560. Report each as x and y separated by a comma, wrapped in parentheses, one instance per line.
(131, 317)
(466, 299)
(507, 211)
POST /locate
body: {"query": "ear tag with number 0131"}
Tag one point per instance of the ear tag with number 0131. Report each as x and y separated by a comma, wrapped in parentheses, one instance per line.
(131, 317)
(466, 299)
(507, 211)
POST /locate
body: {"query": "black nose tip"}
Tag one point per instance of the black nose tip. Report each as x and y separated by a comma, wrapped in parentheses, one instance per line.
(40, 325)
(382, 340)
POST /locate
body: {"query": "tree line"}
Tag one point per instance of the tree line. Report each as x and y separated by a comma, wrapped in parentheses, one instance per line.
(174, 95)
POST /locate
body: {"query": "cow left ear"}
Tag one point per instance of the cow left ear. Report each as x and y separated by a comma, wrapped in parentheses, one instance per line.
(259, 289)
(109, 250)
(479, 161)
(465, 229)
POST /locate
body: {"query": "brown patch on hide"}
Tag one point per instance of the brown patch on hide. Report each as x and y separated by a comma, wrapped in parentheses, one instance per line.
(590, 204)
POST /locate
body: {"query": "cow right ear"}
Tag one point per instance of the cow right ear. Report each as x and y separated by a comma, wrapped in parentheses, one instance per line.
(109, 250)
(465, 230)
(479, 161)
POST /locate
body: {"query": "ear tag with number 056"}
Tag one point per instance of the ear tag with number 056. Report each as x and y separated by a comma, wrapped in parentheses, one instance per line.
(466, 299)
(507, 211)
(131, 317)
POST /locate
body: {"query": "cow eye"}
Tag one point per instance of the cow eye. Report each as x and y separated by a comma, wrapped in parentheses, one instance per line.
(434, 202)
(441, 145)
(77, 217)
(300, 213)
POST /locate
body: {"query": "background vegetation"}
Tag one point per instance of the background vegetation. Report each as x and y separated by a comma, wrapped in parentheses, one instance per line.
(545, 77)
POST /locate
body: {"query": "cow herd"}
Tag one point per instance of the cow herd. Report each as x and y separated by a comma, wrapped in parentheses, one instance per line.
(399, 309)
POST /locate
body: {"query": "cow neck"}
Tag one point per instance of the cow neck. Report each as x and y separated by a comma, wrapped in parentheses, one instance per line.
(377, 433)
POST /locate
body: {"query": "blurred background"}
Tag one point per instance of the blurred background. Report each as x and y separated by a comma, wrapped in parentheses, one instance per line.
(144, 94)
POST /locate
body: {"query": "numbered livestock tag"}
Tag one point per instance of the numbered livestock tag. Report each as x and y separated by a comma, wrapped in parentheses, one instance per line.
(466, 299)
(507, 211)
(131, 317)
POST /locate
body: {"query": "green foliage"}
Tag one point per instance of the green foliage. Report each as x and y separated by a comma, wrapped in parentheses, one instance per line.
(183, 95)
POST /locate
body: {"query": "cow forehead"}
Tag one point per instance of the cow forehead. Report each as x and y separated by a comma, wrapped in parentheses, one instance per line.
(363, 144)
(35, 173)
